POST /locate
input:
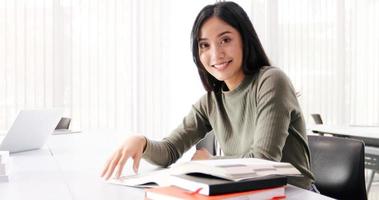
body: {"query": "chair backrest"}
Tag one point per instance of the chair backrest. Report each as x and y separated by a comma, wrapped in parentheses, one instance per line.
(317, 118)
(338, 166)
(64, 123)
(208, 142)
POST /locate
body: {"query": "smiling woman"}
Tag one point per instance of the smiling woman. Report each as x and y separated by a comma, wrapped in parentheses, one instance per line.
(219, 33)
(250, 106)
(220, 51)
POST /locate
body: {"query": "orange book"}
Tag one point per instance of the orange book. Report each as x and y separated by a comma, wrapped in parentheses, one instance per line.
(175, 193)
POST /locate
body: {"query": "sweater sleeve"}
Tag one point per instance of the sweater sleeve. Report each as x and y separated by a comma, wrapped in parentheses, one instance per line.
(276, 102)
(192, 129)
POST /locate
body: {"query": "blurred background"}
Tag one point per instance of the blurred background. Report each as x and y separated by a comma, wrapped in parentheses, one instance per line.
(127, 64)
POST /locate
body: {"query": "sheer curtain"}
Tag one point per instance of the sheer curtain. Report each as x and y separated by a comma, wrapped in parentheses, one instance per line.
(128, 65)
(330, 51)
(110, 64)
(131, 65)
(26, 57)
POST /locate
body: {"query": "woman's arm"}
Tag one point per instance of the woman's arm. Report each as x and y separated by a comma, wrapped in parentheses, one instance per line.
(193, 128)
(276, 105)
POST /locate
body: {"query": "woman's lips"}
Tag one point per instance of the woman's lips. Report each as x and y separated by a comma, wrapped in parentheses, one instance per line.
(222, 66)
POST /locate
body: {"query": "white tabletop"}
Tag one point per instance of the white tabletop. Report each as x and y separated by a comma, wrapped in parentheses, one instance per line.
(369, 134)
(69, 168)
(362, 131)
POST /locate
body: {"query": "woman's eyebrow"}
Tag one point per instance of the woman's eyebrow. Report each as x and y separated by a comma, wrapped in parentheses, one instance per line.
(219, 35)
(201, 39)
(223, 33)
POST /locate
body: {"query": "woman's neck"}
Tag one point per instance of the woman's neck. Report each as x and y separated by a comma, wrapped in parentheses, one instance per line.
(234, 82)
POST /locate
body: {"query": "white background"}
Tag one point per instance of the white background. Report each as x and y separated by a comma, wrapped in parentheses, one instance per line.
(127, 64)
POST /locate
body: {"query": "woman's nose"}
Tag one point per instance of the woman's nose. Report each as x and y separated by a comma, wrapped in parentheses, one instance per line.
(217, 52)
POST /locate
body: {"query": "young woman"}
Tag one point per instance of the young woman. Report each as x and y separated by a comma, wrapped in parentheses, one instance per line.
(251, 107)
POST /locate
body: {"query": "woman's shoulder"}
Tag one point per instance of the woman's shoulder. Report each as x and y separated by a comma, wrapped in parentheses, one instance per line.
(273, 75)
(271, 71)
(273, 80)
(205, 102)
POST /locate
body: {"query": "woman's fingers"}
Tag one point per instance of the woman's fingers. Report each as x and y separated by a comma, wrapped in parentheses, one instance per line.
(136, 159)
(121, 164)
(112, 165)
(107, 164)
(105, 169)
(132, 147)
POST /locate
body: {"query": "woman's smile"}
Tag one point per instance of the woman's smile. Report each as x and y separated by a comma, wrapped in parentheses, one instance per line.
(222, 65)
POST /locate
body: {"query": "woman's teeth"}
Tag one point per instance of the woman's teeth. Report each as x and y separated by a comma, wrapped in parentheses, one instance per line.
(221, 65)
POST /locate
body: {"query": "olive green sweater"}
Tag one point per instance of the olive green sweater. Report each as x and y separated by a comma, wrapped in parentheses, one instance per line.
(261, 118)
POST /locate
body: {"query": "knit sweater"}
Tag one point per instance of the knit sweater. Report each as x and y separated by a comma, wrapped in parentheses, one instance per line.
(261, 118)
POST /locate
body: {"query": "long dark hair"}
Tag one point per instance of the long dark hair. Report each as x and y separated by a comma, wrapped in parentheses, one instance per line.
(254, 56)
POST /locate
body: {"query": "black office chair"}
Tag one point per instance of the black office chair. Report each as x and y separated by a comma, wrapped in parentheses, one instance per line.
(371, 155)
(64, 123)
(317, 118)
(338, 166)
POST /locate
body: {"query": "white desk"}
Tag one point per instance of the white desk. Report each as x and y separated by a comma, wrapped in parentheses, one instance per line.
(69, 168)
(369, 134)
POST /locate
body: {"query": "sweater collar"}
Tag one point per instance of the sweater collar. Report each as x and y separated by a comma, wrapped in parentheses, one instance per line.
(244, 84)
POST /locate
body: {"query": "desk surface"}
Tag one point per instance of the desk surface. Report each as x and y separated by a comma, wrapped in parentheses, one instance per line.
(68, 167)
(369, 134)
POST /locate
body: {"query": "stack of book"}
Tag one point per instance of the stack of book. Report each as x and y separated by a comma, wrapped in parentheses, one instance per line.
(176, 193)
(4, 166)
(211, 188)
(249, 178)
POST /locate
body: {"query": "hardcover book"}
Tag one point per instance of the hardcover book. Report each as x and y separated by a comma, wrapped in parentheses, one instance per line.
(209, 186)
(175, 193)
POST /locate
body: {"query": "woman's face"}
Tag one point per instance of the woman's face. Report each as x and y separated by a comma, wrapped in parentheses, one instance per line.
(220, 51)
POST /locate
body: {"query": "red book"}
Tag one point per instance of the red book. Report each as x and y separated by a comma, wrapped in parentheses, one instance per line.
(175, 193)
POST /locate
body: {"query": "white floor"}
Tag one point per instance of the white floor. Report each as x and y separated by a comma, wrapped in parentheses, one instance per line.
(374, 191)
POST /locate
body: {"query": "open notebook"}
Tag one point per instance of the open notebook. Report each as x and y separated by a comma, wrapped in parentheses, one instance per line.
(228, 169)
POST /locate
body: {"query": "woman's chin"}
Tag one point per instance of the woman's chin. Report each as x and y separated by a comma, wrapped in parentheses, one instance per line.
(220, 78)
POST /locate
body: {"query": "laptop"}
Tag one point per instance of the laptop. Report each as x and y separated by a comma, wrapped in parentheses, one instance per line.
(30, 130)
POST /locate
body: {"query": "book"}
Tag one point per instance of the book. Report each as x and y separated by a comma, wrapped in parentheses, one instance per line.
(236, 169)
(228, 169)
(175, 193)
(215, 186)
(159, 177)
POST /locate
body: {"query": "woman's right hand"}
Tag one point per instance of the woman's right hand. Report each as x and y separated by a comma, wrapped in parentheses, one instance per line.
(132, 148)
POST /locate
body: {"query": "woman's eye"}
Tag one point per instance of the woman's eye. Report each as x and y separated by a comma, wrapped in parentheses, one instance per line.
(203, 45)
(225, 40)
